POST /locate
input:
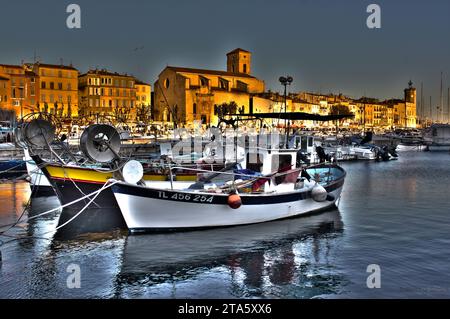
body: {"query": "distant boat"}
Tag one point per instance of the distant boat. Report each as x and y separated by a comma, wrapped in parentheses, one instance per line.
(6, 132)
(317, 151)
(408, 140)
(437, 137)
(363, 152)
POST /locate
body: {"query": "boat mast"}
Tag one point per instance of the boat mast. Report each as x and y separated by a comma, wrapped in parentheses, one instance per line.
(431, 112)
(441, 105)
(421, 104)
(448, 105)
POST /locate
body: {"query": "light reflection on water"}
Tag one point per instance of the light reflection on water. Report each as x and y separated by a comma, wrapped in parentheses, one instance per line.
(263, 260)
(13, 198)
(267, 260)
(394, 214)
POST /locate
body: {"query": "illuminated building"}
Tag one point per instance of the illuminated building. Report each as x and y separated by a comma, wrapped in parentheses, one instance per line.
(183, 95)
(21, 90)
(58, 86)
(103, 93)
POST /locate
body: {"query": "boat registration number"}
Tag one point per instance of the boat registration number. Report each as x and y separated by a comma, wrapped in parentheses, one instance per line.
(186, 197)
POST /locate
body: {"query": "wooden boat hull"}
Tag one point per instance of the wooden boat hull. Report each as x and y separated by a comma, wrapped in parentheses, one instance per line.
(72, 183)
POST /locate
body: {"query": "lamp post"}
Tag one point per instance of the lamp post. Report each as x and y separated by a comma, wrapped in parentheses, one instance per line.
(285, 81)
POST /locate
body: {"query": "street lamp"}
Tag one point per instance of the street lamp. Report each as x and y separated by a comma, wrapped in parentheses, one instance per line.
(285, 81)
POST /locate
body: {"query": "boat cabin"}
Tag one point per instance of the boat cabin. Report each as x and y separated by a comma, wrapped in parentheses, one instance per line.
(304, 143)
(269, 161)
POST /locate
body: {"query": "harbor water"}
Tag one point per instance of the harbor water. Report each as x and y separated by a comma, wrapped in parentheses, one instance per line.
(392, 214)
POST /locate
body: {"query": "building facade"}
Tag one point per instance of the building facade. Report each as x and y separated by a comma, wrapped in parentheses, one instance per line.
(368, 113)
(143, 93)
(4, 92)
(22, 90)
(58, 89)
(143, 101)
(185, 95)
(104, 93)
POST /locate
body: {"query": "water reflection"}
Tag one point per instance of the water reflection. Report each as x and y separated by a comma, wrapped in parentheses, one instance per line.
(395, 214)
(13, 198)
(256, 260)
(288, 258)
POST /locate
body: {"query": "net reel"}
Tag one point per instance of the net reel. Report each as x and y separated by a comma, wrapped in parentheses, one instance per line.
(39, 133)
(19, 138)
(100, 143)
(36, 130)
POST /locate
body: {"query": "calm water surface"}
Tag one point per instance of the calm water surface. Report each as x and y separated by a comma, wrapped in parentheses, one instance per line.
(394, 214)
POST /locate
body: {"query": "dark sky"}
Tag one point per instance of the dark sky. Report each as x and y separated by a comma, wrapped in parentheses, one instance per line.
(324, 45)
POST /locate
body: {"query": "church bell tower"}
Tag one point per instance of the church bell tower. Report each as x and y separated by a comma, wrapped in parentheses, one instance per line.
(238, 61)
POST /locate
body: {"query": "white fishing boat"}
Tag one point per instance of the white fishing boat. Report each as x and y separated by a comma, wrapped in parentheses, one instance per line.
(278, 195)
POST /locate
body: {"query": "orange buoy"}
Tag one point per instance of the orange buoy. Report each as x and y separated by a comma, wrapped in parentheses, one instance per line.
(234, 201)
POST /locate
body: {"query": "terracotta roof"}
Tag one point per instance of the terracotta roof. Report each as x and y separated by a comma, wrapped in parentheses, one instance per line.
(12, 66)
(238, 50)
(105, 72)
(56, 66)
(213, 72)
(394, 101)
(367, 100)
(139, 82)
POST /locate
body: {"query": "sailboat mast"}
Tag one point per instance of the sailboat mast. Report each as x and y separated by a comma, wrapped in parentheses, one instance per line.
(441, 105)
(422, 117)
(431, 111)
(448, 105)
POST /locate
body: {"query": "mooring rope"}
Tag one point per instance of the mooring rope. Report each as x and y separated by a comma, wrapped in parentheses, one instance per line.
(107, 185)
(12, 168)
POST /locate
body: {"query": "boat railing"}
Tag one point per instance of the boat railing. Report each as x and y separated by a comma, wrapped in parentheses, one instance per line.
(274, 174)
(218, 172)
(328, 178)
(252, 178)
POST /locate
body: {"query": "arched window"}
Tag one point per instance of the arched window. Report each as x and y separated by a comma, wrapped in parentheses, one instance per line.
(245, 68)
